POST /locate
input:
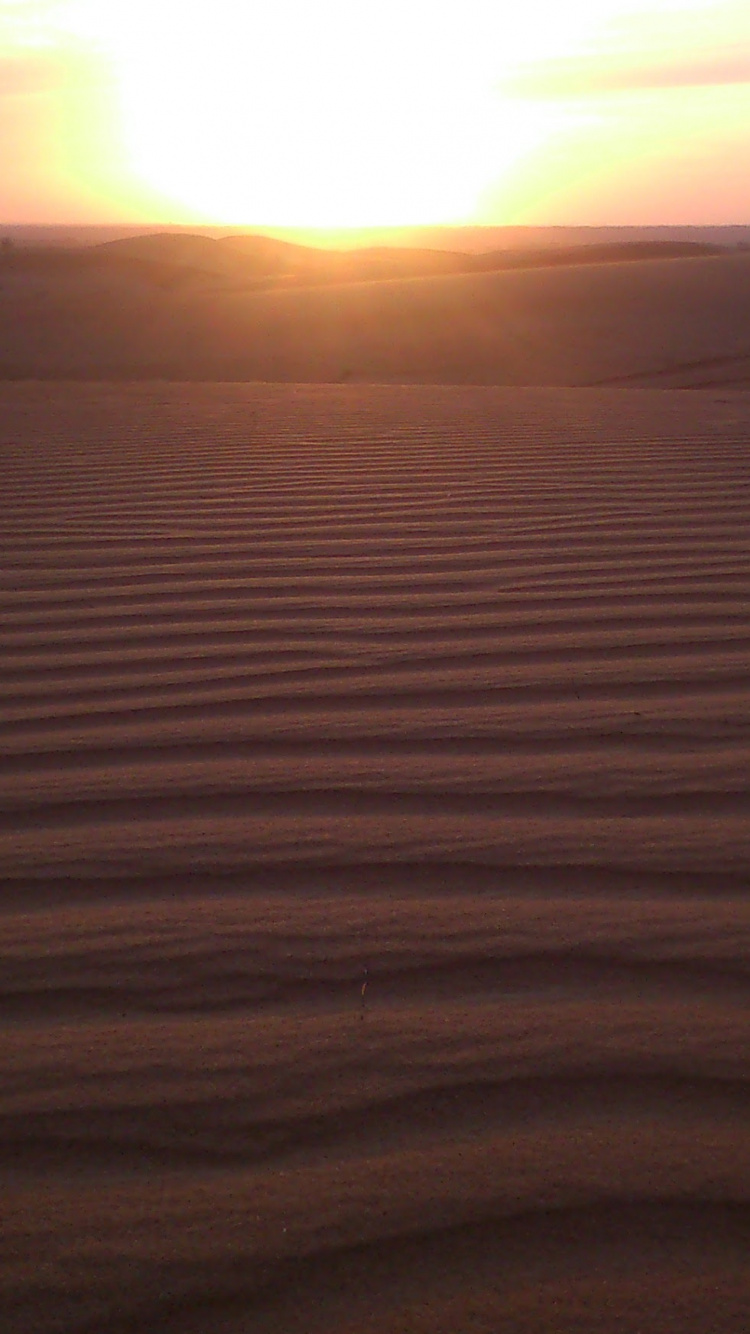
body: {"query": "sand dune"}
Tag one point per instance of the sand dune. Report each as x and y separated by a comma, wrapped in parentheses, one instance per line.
(668, 323)
(374, 844)
(281, 261)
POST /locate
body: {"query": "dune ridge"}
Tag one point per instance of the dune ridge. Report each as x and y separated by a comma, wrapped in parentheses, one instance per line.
(374, 846)
(125, 312)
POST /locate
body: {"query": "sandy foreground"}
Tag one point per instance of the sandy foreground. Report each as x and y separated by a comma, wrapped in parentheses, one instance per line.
(375, 844)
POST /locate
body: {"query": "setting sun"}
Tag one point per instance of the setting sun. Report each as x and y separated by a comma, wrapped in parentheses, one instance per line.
(323, 115)
(328, 114)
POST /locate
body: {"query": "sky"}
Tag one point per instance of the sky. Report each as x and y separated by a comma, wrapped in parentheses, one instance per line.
(347, 113)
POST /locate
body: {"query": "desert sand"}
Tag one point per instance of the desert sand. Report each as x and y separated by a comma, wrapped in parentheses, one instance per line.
(197, 308)
(374, 845)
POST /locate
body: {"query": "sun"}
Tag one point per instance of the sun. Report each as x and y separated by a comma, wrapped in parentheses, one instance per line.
(325, 113)
(319, 116)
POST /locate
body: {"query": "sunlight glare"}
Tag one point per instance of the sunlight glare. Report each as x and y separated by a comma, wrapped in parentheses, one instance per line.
(323, 113)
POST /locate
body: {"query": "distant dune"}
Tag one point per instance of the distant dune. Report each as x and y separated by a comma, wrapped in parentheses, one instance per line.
(278, 260)
(465, 239)
(191, 307)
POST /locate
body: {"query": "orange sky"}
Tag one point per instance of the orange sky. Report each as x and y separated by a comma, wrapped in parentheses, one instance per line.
(334, 113)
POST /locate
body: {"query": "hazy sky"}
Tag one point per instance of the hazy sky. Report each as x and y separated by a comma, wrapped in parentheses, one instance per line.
(347, 112)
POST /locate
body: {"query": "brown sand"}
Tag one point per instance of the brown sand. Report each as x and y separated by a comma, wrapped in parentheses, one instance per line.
(439, 693)
(666, 323)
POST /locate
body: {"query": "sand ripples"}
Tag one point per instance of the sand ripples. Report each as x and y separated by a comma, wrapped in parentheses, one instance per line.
(440, 693)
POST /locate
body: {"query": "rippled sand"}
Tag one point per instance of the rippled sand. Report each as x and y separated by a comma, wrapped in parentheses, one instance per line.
(375, 847)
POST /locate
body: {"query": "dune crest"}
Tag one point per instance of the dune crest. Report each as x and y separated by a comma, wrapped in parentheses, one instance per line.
(255, 309)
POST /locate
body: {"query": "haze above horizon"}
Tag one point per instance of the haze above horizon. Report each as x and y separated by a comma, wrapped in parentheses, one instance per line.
(322, 114)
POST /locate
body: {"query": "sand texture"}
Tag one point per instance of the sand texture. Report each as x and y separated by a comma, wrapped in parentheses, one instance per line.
(375, 852)
(664, 323)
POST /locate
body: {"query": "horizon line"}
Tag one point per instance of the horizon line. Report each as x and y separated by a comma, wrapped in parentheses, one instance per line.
(378, 227)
